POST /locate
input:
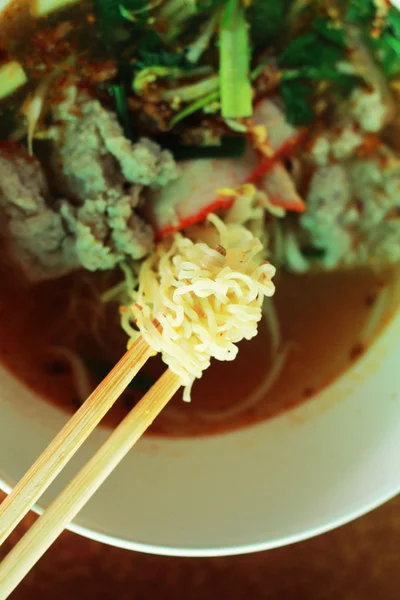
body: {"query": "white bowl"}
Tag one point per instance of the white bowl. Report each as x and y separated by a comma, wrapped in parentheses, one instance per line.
(287, 479)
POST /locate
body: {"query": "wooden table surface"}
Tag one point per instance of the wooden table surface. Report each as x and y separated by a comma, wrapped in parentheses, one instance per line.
(360, 561)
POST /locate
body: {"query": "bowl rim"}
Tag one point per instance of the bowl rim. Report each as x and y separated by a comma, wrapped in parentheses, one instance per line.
(213, 552)
(245, 548)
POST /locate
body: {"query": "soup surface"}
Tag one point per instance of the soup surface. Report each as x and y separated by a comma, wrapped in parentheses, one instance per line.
(123, 124)
(326, 322)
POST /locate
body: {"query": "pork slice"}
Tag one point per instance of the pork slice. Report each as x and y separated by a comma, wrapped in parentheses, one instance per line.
(280, 132)
(280, 189)
(194, 194)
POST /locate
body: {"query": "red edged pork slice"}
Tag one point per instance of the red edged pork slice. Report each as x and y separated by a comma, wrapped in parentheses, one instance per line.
(281, 134)
(194, 195)
(280, 189)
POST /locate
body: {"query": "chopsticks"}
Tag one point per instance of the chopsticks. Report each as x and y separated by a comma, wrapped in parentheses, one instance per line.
(69, 502)
(49, 464)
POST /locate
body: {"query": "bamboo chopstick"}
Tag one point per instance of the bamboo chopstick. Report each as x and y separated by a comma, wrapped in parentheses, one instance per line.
(69, 502)
(49, 464)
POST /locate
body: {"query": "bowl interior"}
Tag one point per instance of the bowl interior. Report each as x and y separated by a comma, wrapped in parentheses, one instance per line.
(283, 480)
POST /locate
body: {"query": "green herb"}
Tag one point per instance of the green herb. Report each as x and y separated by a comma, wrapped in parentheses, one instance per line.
(323, 73)
(111, 17)
(118, 90)
(234, 52)
(310, 50)
(387, 46)
(191, 92)
(266, 18)
(296, 96)
(194, 107)
(151, 74)
(359, 11)
(161, 57)
(313, 56)
(209, 5)
(202, 41)
(229, 13)
(330, 31)
(127, 14)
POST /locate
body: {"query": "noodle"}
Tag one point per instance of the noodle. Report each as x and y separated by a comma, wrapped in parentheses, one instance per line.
(206, 299)
(251, 402)
(272, 321)
(80, 375)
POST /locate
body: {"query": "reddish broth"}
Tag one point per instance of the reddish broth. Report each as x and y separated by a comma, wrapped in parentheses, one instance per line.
(320, 316)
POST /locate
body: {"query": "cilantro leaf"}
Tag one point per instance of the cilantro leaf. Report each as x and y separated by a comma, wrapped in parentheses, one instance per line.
(209, 5)
(310, 50)
(329, 31)
(266, 19)
(118, 90)
(161, 58)
(296, 97)
(312, 56)
(387, 46)
(113, 26)
(359, 11)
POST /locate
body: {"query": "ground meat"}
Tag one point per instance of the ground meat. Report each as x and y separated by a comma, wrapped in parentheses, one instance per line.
(93, 159)
(106, 234)
(103, 174)
(34, 234)
(97, 179)
(353, 211)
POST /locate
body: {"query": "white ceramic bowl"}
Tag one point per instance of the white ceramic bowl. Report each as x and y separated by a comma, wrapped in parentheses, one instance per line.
(310, 470)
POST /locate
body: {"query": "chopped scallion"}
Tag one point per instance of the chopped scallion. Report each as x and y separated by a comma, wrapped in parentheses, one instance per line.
(234, 51)
(195, 106)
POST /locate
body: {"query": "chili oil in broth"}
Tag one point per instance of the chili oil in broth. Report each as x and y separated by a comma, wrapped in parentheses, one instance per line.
(320, 317)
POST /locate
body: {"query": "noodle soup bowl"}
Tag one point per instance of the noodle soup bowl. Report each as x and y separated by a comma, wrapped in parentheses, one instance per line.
(309, 470)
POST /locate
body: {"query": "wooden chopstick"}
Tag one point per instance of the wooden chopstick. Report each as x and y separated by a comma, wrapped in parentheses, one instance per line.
(70, 438)
(70, 501)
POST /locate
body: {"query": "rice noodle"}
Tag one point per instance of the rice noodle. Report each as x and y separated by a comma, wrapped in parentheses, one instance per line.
(206, 299)
(376, 316)
(33, 108)
(251, 401)
(272, 321)
(80, 375)
(295, 260)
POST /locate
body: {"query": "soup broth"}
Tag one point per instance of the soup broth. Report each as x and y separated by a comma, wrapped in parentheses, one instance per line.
(118, 129)
(43, 327)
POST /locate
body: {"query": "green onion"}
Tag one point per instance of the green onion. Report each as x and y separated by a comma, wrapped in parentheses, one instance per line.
(191, 92)
(121, 104)
(229, 13)
(201, 43)
(174, 13)
(151, 74)
(206, 100)
(234, 52)
(192, 108)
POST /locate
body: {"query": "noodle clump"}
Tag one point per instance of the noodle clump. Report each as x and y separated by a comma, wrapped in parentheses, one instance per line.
(206, 297)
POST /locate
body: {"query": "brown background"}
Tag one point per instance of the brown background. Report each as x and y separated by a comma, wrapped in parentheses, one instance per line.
(360, 561)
